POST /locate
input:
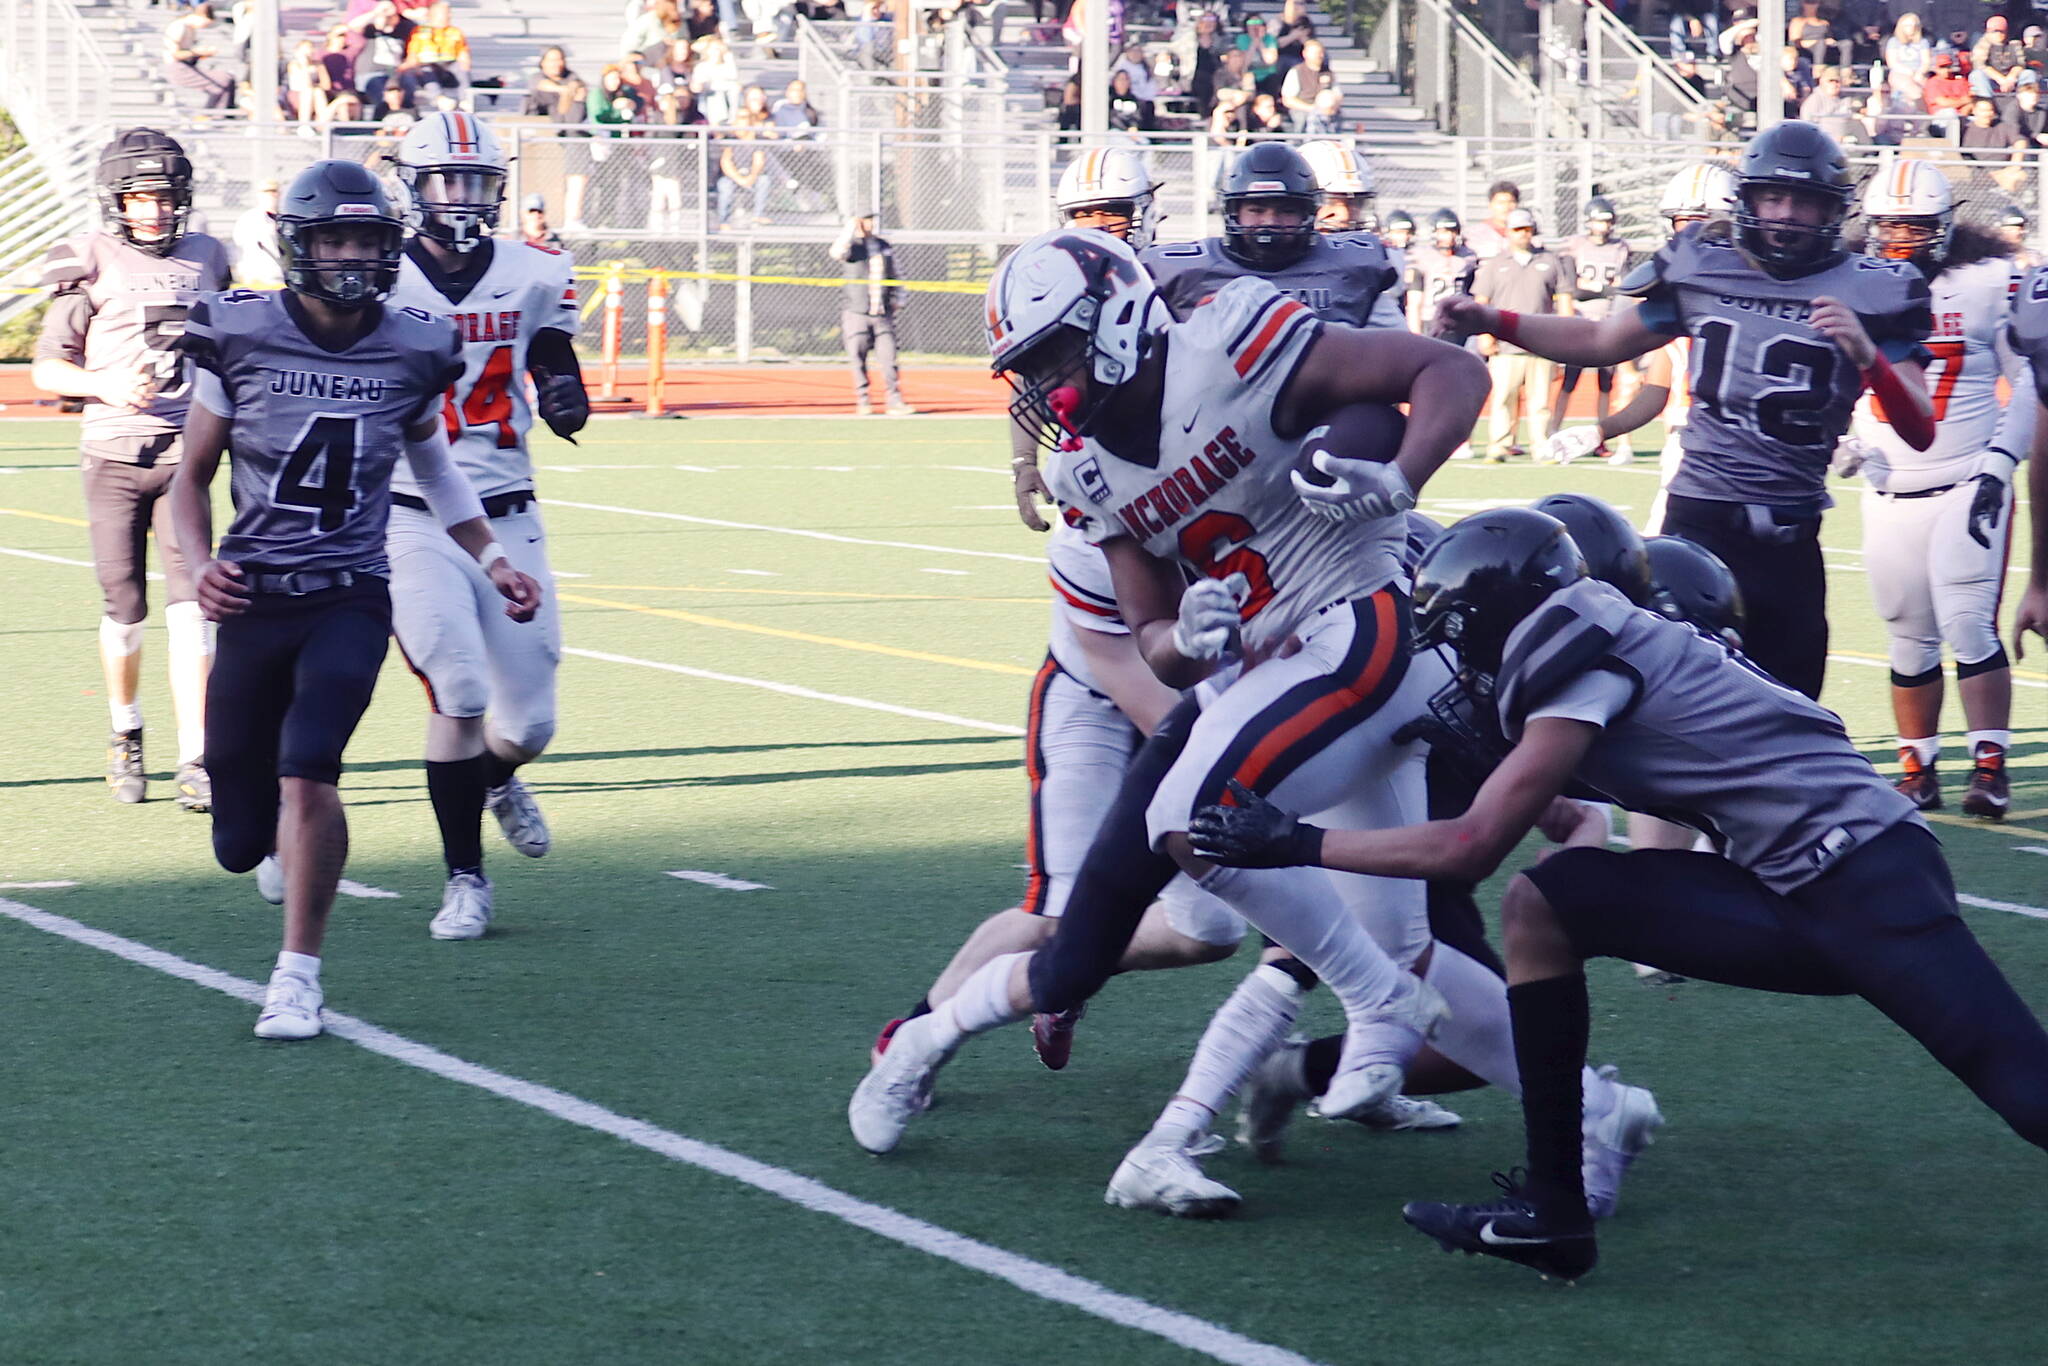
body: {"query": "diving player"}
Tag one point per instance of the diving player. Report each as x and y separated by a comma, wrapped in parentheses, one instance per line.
(110, 337)
(1936, 533)
(319, 389)
(490, 681)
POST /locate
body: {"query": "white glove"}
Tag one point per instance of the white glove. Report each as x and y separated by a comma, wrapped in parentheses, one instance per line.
(1208, 614)
(1362, 491)
(1568, 445)
(1850, 453)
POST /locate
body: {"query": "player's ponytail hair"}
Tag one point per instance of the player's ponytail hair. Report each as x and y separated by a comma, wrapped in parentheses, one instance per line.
(1972, 243)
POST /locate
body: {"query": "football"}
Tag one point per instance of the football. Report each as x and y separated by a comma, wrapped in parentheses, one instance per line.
(1357, 431)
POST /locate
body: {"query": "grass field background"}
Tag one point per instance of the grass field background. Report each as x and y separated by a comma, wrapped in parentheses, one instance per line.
(177, 1191)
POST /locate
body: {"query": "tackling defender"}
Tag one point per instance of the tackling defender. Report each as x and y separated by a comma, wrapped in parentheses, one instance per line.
(318, 389)
(118, 302)
(490, 681)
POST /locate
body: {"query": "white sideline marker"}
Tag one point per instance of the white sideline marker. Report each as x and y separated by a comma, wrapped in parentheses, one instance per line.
(1033, 1278)
(350, 887)
(33, 886)
(720, 881)
(1983, 903)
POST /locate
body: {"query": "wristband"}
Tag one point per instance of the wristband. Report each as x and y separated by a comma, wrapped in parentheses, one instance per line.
(1913, 423)
(1305, 845)
(491, 553)
(1508, 326)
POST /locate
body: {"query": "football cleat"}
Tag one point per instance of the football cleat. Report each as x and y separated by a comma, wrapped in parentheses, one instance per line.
(465, 908)
(1406, 1114)
(1052, 1036)
(124, 765)
(195, 789)
(291, 1008)
(1657, 977)
(881, 1046)
(1989, 794)
(1511, 1228)
(1612, 1137)
(1166, 1177)
(898, 1087)
(270, 880)
(1919, 784)
(1378, 1049)
(519, 817)
(1271, 1094)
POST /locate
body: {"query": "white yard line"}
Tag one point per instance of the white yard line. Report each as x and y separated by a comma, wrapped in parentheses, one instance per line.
(1032, 1277)
(2017, 681)
(719, 880)
(350, 887)
(795, 531)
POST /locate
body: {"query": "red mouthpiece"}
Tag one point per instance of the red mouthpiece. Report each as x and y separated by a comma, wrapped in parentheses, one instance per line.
(1064, 401)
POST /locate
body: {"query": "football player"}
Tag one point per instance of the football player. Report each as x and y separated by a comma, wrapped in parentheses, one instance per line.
(1346, 182)
(1600, 259)
(319, 389)
(1788, 329)
(2013, 226)
(1438, 270)
(1398, 231)
(490, 681)
(110, 337)
(1827, 882)
(1077, 327)
(1935, 530)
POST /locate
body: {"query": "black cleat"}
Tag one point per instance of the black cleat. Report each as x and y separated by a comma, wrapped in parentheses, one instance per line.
(1513, 1229)
(124, 765)
(1989, 794)
(195, 789)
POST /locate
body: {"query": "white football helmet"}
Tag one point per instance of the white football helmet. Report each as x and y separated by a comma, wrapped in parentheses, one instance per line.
(1706, 189)
(1345, 178)
(454, 178)
(1912, 213)
(1113, 182)
(1069, 300)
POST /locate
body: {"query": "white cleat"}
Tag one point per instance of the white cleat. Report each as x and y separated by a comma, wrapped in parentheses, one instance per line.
(1378, 1049)
(1614, 1134)
(519, 817)
(1272, 1092)
(291, 1008)
(897, 1087)
(1165, 1177)
(1407, 1114)
(465, 908)
(270, 880)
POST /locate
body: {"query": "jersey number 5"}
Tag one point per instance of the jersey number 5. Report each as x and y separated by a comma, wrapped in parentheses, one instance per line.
(1217, 545)
(319, 474)
(489, 402)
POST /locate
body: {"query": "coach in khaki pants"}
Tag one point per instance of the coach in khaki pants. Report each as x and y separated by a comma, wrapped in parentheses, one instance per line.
(1527, 279)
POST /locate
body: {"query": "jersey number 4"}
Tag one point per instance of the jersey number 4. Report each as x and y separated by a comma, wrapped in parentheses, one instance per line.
(489, 402)
(1791, 412)
(319, 474)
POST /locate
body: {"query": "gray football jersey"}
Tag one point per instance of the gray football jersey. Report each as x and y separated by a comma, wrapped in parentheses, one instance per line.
(1770, 395)
(1440, 275)
(116, 306)
(2028, 332)
(1599, 267)
(1709, 741)
(1341, 277)
(316, 432)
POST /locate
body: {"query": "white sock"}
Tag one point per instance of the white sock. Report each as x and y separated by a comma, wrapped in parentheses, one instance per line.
(1929, 749)
(1478, 1036)
(2001, 738)
(1248, 1026)
(190, 652)
(1298, 909)
(981, 1004)
(304, 965)
(120, 640)
(127, 715)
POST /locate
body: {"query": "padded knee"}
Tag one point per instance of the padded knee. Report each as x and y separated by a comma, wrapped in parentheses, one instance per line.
(1915, 657)
(1917, 680)
(238, 850)
(121, 638)
(1990, 663)
(527, 737)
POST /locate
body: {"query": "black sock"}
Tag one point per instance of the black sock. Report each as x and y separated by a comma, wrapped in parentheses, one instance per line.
(1552, 1020)
(456, 788)
(1319, 1062)
(923, 1007)
(496, 771)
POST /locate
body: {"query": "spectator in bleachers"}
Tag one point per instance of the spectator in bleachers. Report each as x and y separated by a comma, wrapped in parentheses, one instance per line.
(2034, 50)
(437, 52)
(1227, 119)
(1829, 108)
(1489, 237)
(1202, 59)
(659, 23)
(1070, 106)
(1887, 117)
(1810, 32)
(675, 66)
(1235, 73)
(1986, 139)
(670, 161)
(1908, 58)
(1133, 64)
(1266, 118)
(1946, 93)
(186, 60)
(1743, 74)
(742, 166)
(548, 88)
(1996, 65)
(386, 33)
(873, 44)
(1326, 117)
(2029, 117)
(716, 79)
(339, 60)
(1305, 80)
(794, 116)
(394, 110)
(1695, 26)
(1127, 113)
(1798, 75)
(1292, 32)
(344, 106)
(639, 84)
(701, 21)
(1261, 54)
(303, 89)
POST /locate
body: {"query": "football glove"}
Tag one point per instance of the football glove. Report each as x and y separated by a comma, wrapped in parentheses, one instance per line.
(1359, 491)
(564, 406)
(1850, 453)
(1571, 444)
(1987, 505)
(1253, 834)
(1208, 614)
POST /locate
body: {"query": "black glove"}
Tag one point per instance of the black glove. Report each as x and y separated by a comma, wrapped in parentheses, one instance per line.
(563, 404)
(1986, 507)
(1253, 834)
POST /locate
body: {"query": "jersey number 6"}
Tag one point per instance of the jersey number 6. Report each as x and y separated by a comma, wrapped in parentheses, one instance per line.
(1217, 545)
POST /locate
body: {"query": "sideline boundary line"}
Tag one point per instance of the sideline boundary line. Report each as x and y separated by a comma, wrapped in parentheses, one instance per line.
(1032, 1277)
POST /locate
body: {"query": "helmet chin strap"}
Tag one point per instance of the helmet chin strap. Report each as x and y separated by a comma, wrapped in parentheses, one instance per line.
(1064, 402)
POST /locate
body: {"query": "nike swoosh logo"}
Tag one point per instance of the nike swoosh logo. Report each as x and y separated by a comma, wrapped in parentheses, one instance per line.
(1189, 425)
(1492, 1239)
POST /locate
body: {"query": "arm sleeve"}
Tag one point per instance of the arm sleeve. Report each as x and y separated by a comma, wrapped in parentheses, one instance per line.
(447, 490)
(2015, 431)
(1596, 697)
(1652, 284)
(211, 394)
(63, 334)
(553, 352)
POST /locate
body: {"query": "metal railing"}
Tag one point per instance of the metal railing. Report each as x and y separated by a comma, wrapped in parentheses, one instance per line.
(1460, 78)
(1623, 86)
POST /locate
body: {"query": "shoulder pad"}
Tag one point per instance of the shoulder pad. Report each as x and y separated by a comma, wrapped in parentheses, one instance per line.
(1249, 319)
(67, 265)
(1559, 641)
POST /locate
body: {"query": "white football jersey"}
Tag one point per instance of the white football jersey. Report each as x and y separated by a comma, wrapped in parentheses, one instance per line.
(524, 289)
(1678, 398)
(1083, 599)
(1972, 305)
(1219, 500)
